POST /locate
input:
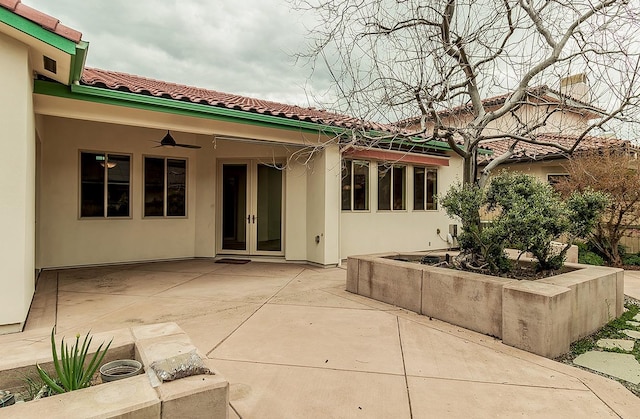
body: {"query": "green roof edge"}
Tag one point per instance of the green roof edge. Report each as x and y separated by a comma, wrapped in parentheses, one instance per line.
(33, 29)
(77, 62)
(138, 101)
(172, 106)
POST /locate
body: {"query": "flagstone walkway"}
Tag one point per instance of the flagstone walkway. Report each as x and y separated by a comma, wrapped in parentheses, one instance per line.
(294, 344)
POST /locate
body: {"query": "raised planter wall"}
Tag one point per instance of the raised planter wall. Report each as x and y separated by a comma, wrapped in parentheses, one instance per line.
(142, 396)
(542, 317)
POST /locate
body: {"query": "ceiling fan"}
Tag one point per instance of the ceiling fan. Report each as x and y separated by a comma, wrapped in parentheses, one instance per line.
(168, 141)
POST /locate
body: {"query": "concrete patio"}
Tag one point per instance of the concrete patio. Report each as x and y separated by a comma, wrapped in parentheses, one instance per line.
(293, 343)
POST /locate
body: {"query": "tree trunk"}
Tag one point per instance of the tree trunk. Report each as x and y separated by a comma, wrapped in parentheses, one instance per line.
(470, 169)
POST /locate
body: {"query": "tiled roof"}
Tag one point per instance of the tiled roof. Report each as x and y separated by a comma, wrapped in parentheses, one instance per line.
(141, 85)
(49, 23)
(541, 92)
(528, 151)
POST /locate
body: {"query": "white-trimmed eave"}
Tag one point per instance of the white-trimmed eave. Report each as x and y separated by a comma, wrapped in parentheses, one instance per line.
(47, 105)
(39, 49)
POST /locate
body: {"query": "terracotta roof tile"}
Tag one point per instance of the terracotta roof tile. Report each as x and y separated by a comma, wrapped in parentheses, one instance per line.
(527, 151)
(49, 23)
(141, 85)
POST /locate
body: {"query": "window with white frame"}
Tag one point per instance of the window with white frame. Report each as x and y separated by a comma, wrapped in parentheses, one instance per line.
(392, 187)
(355, 185)
(105, 185)
(425, 189)
(165, 187)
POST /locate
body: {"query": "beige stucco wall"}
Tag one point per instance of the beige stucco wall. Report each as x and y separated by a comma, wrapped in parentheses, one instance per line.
(17, 183)
(323, 207)
(539, 169)
(376, 231)
(67, 240)
(565, 122)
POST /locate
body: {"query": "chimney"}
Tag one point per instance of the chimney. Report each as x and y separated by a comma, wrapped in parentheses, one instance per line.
(576, 86)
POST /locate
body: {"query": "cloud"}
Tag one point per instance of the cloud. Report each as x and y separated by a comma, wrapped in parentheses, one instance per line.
(244, 48)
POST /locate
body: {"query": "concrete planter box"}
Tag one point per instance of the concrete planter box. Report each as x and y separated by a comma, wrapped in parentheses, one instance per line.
(142, 396)
(542, 316)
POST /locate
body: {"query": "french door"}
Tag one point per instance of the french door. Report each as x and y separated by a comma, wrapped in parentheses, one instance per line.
(251, 209)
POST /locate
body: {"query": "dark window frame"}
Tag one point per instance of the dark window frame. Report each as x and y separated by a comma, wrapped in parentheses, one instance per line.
(166, 187)
(429, 201)
(109, 185)
(391, 173)
(350, 202)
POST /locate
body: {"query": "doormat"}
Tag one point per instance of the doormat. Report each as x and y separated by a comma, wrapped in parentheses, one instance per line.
(233, 261)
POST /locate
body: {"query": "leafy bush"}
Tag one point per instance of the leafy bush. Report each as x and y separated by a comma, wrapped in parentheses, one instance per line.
(590, 258)
(72, 373)
(632, 259)
(530, 215)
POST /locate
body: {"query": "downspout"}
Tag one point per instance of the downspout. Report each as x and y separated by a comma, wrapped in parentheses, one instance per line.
(77, 62)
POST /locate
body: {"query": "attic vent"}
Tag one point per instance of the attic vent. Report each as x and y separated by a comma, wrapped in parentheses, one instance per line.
(50, 64)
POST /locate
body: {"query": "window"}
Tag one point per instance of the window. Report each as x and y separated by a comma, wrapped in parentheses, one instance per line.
(104, 185)
(165, 188)
(391, 187)
(553, 179)
(425, 189)
(355, 185)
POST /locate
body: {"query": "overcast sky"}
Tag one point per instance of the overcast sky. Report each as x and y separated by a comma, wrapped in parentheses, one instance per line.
(244, 47)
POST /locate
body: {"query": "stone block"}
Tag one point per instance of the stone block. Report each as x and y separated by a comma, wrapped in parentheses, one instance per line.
(536, 317)
(198, 396)
(465, 299)
(352, 275)
(619, 293)
(129, 398)
(397, 283)
(365, 273)
(594, 296)
(163, 347)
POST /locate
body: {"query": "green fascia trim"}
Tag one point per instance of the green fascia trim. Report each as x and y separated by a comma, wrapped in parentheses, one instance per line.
(171, 106)
(137, 101)
(433, 144)
(37, 31)
(77, 61)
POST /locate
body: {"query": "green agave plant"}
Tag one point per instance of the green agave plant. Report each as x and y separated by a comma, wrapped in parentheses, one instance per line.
(71, 370)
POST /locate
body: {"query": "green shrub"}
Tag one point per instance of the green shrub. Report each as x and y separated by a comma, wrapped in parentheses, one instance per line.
(590, 258)
(529, 216)
(633, 259)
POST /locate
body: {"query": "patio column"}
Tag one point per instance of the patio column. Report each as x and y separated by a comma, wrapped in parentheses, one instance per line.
(323, 208)
(17, 183)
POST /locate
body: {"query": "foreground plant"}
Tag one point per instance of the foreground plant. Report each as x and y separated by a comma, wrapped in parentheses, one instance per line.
(72, 373)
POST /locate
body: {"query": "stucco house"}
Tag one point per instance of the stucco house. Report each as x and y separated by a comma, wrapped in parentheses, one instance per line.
(100, 167)
(548, 163)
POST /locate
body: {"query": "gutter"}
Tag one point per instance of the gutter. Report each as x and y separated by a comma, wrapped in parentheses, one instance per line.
(77, 91)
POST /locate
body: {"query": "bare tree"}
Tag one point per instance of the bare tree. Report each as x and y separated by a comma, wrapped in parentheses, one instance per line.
(435, 65)
(615, 172)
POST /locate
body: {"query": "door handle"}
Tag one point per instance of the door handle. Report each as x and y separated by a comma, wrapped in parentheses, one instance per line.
(254, 219)
(248, 219)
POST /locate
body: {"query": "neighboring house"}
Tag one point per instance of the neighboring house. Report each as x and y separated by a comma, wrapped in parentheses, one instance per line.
(545, 162)
(549, 110)
(84, 181)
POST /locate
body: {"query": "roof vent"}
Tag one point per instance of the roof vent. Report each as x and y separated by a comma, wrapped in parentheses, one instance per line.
(50, 64)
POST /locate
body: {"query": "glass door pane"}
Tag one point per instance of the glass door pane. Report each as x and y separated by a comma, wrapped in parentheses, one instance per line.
(269, 209)
(234, 207)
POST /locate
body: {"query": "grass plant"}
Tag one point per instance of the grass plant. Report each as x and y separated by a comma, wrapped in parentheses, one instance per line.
(73, 371)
